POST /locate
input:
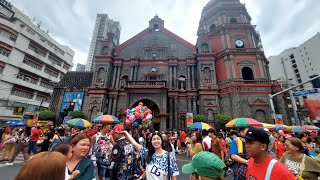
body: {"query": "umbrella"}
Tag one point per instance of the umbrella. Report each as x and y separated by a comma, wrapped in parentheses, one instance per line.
(243, 122)
(79, 122)
(282, 127)
(298, 129)
(311, 128)
(268, 126)
(106, 119)
(200, 126)
(20, 124)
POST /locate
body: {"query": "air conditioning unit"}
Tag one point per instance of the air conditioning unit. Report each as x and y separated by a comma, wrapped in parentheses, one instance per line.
(56, 48)
(27, 79)
(37, 51)
(22, 25)
(20, 77)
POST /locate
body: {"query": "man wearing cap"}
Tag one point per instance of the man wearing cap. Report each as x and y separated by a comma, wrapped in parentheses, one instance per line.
(205, 166)
(261, 165)
(123, 158)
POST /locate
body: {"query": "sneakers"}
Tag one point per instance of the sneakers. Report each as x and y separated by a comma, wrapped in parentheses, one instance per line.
(9, 164)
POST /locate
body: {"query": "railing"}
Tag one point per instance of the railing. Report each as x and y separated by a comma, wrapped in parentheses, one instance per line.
(239, 81)
(146, 84)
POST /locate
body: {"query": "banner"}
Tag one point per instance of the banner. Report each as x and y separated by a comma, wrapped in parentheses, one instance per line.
(76, 97)
(189, 118)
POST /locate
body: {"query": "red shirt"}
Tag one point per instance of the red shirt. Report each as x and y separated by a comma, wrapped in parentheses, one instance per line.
(280, 149)
(258, 171)
(183, 136)
(35, 134)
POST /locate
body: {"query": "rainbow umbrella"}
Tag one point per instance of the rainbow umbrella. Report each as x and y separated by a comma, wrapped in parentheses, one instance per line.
(79, 122)
(311, 128)
(268, 126)
(103, 119)
(200, 126)
(282, 127)
(298, 129)
(243, 122)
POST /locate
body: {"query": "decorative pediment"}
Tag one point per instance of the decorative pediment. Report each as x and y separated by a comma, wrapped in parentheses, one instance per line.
(245, 62)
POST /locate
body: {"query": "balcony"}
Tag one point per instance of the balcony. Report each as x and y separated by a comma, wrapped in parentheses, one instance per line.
(239, 82)
(146, 84)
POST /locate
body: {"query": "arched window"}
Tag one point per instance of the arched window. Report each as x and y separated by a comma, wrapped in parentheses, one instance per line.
(101, 75)
(124, 80)
(105, 50)
(182, 82)
(207, 75)
(212, 27)
(233, 20)
(94, 112)
(210, 115)
(204, 48)
(247, 73)
(260, 115)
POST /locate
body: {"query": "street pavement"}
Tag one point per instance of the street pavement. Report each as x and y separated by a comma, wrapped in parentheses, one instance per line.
(9, 172)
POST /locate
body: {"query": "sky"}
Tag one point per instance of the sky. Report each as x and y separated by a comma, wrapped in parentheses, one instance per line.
(282, 23)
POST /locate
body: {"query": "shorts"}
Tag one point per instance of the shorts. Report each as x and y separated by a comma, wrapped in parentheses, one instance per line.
(102, 171)
(183, 144)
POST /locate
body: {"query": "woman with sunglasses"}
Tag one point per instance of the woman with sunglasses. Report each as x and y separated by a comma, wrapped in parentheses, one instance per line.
(298, 162)
(160, 164)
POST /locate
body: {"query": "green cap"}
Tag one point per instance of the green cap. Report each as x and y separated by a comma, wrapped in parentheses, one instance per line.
(205, 164)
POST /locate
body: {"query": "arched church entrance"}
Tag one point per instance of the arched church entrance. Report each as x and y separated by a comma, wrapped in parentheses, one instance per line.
(155, 111)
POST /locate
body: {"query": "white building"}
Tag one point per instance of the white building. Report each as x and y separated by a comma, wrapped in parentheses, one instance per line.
(302, 63)
(102, 27)
(31, 62)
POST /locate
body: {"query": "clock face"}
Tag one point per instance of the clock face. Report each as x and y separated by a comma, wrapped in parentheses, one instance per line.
(239, 43)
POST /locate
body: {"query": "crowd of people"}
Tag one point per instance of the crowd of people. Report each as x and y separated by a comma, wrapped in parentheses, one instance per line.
(112, 151)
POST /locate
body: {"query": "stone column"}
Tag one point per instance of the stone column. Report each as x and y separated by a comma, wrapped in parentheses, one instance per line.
(135, 73)
(175, 112)
(193, 77)
(250, 39)
(110, 105)
(228, 40)
(131, 73)
(175, 86)
(118, 77)
(171, 112)
(114, 108)
(114, 75)
(188, 78)
(163, 123)
(212, 76)
(189, 105)
(170, 77)
(194, 110)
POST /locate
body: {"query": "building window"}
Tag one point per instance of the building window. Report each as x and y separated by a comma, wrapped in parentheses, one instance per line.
(105, 50)
(204, 48)
(212, 27)
(1, 69)
(32, 63)
(4, 52)
(247, 73)
(182, 82)
(291, 56)
(233, 20)
(294, 66)
(306, 52)
(156, 27)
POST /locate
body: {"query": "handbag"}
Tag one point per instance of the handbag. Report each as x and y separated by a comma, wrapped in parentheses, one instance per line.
(299, 176)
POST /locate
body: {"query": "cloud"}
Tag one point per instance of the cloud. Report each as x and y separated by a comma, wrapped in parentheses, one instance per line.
(282, 24)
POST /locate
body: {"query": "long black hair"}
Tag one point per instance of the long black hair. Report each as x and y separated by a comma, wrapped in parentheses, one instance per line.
(151, 148)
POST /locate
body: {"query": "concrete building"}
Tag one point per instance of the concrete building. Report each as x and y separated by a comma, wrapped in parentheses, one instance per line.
(103, 28)
(301, 63)
(225, 72)
(31, 63)
(80, 67)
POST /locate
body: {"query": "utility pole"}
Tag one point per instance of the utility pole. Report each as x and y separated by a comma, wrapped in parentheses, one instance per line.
(293, 100)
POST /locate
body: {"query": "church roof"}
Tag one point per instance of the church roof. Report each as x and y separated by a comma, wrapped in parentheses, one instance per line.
(146, 31)
(78, 79)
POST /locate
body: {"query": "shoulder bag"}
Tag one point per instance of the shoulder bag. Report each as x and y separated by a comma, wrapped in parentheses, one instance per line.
(299, 176)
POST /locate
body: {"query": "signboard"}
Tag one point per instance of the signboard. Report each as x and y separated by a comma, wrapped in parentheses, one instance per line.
(305, 92)
(76, 97)
(18, 110)
(6, 9)
(189, 118)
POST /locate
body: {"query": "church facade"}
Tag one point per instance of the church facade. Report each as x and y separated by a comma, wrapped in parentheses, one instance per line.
(226, 72)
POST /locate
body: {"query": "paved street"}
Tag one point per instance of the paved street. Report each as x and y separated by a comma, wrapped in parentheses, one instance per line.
(9, 172)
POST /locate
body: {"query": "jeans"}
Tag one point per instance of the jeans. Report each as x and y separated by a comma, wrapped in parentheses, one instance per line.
(32, 147)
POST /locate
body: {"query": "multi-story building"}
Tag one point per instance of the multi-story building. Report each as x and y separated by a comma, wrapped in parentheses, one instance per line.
(80, 67)
(103, 28)
(31, 63)
(225, 72)
(301, 63)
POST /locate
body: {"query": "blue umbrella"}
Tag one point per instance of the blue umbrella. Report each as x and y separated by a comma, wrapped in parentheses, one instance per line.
(19, 124)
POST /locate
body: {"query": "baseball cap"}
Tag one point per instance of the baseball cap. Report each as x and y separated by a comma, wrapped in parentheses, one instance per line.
(205, 164)
(117, 128)
(257, 135)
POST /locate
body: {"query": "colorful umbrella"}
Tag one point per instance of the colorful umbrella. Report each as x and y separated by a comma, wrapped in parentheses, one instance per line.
(311, 128)
(200, 126)
(243, 122)
(79, 122)
(268, 126)
(282, 127)
(106, 119)
(298, 129)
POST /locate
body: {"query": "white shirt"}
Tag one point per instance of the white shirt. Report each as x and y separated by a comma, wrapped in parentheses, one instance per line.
(207, 140)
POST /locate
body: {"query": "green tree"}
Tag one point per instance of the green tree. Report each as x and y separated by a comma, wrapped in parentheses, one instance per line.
(222, 120)
(77, 114)
(47, 115)
(199, 118)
